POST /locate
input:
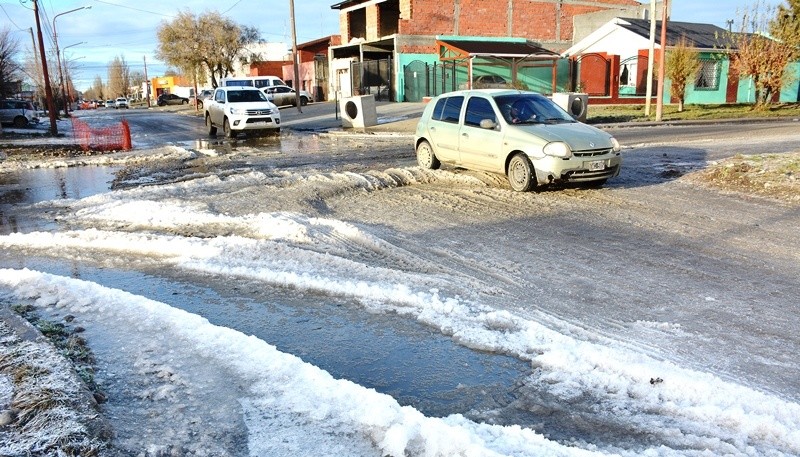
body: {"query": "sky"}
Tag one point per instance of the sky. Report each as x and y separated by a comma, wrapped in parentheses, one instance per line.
(284, 399)
(122, 28)
(117, 28)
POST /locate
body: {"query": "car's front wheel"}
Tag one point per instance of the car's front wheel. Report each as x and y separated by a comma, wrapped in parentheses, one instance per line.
(303, 101)
(226, 127)
(520, 173)
(212, 131)
(425, 156)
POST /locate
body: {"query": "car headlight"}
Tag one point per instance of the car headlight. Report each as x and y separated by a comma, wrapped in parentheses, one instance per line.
(238, 111)
(615, 145)
(558, 149)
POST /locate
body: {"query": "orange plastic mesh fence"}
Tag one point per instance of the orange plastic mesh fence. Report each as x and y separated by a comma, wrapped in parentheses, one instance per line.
(111, 138)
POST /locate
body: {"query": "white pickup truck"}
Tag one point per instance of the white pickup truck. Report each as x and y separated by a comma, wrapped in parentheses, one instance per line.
(240, 109)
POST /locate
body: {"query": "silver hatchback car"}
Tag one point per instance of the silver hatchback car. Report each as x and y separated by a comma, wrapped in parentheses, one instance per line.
(19, 113)
(523, 135)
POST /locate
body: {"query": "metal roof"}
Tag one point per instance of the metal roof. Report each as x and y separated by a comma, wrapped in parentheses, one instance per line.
(495, 48)
(345, 4)
(703, 36)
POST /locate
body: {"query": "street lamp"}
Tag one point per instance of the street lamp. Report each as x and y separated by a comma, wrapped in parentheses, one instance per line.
(65, 81)
(58, 53)
(66, 71)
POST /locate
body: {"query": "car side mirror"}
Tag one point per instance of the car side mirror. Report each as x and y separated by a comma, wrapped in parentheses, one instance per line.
(488, 124)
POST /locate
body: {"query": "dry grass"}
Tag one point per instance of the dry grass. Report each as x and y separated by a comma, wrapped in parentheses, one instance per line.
(43, 402)
(774, 176)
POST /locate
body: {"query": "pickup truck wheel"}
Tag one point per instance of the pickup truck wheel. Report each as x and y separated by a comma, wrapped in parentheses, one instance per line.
(212, 131)
(226, 127)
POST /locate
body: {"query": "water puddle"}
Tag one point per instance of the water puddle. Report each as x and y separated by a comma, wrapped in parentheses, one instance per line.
(21, 188)
(392, 354)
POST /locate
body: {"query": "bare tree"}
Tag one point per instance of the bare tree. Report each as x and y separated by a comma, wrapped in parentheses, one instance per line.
(9, 67)
(119, 77)
(682, 66)
(761, 57)
(206, 44)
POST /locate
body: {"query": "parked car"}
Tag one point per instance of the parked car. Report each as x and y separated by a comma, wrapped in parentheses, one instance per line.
(521, 134)
(489, 82)
(121, 102)
(19, 113)
(285, 95)
(204, 95)
(171, 99)
(110, 103)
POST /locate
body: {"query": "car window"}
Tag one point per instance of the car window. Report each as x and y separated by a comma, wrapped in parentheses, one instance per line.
(438, 109)
(452, 109)
(478, 109)
(533, 108)
(220, 96)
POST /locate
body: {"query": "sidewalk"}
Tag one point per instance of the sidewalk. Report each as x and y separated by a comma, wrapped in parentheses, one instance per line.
(393, 118)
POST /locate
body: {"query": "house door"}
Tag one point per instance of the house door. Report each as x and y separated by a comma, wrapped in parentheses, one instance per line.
(343, 82)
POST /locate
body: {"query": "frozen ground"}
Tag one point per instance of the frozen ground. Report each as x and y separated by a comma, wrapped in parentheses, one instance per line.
(653, 314)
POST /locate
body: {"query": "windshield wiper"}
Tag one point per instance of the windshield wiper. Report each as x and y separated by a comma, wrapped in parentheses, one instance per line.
(557, 120)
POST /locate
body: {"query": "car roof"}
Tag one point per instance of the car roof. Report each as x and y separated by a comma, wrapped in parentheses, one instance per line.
(238, 87)
(492, 92)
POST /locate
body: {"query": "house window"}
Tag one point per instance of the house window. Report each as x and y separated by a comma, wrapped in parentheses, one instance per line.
(708, 76)
(627, 74)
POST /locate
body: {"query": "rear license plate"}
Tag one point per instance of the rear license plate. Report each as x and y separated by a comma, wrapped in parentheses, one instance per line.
(596, 165)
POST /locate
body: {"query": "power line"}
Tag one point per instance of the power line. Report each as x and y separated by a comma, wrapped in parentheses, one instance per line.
(134, 9)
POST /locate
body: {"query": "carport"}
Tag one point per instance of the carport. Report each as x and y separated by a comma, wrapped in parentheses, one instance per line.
(512, 53)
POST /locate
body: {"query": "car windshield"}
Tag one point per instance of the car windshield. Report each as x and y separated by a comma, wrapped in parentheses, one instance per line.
(246, 96)
(531, 109)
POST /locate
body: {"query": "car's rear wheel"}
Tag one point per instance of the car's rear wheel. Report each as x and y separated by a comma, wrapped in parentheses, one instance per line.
(185, 101)
(520, 173)
(425, 156)
(20, 121)
(212, 131)
(226, 127)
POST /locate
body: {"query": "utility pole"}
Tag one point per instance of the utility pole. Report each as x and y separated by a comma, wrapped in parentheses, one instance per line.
(147, 82)
(33, 51)
(294, 58)
(651, 59)
(661, 64)
(48, 91)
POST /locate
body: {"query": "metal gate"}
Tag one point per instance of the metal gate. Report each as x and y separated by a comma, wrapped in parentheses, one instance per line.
(422, 79)
(373, 77)
(633, 76)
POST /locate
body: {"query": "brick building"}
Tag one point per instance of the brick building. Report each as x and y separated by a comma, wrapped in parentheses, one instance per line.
(313, 67)
(381, 38)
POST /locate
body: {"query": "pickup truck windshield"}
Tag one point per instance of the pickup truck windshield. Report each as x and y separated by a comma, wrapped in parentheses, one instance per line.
(236, 96)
